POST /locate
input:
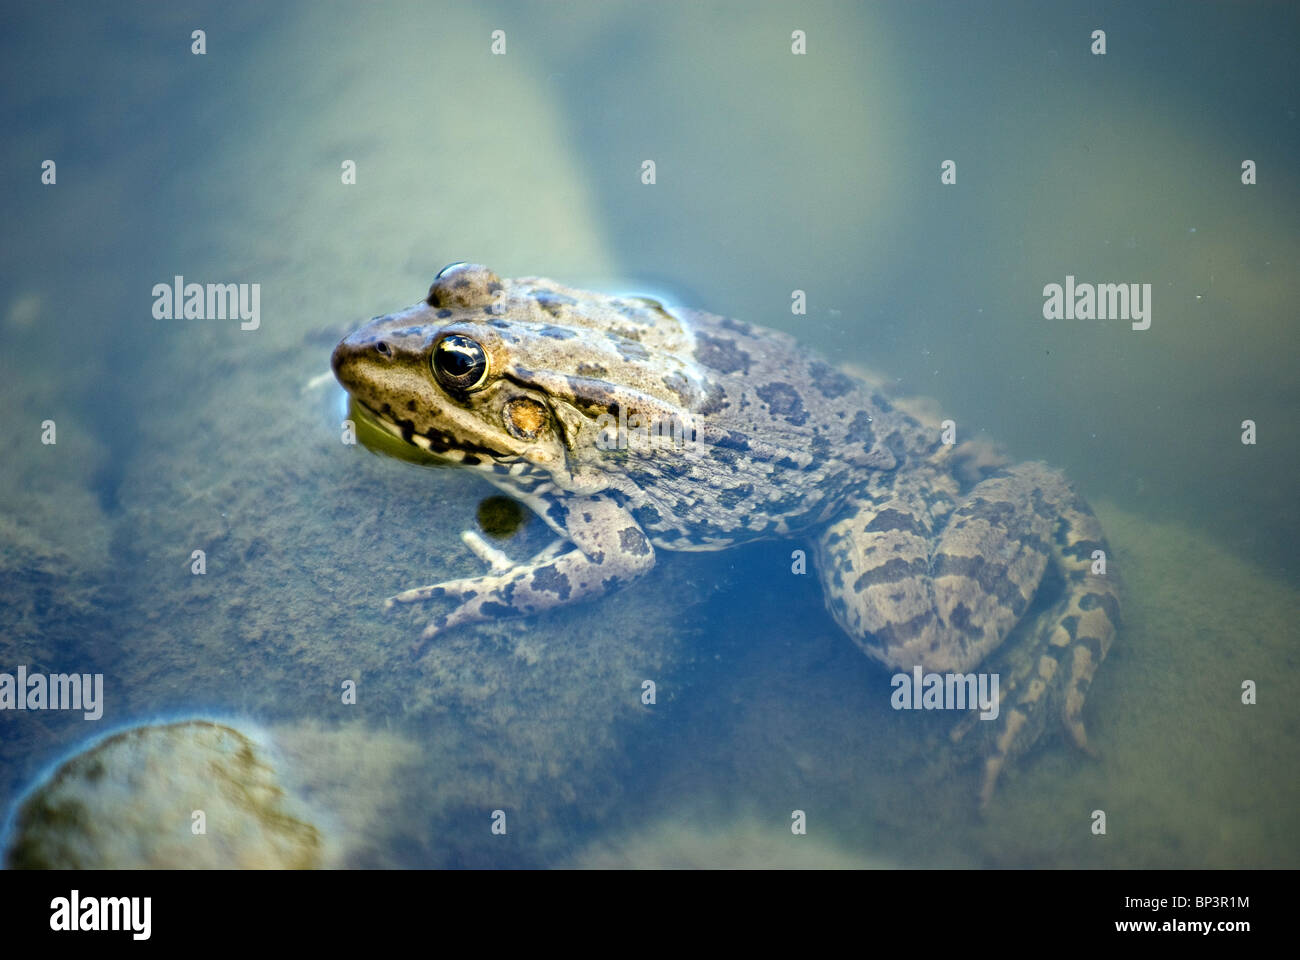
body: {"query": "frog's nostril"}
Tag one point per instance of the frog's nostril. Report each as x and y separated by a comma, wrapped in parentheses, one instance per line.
(337, 358)
(384, 349)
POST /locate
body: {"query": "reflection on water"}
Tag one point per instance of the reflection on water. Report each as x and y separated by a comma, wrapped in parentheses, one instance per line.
(199, 534)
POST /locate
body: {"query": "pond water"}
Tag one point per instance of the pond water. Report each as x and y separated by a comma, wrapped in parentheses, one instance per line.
(774, 171)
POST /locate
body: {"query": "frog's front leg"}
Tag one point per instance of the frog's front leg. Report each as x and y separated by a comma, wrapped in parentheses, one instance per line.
(609, 550)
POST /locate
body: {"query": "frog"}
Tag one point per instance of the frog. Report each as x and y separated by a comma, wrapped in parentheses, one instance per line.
(632, 429)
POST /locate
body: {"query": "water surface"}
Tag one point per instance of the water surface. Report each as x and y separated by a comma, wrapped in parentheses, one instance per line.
(775, 172)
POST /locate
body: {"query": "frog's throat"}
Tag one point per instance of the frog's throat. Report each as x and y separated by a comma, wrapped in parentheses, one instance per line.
(447, 452)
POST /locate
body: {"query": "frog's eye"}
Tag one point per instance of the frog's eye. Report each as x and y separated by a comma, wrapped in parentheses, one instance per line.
(459, 363)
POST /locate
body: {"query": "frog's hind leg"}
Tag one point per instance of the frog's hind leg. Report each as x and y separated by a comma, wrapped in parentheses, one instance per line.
(921, 578)
(916, 582)
(1091, 616)
(1030, 678)
(1062, 648)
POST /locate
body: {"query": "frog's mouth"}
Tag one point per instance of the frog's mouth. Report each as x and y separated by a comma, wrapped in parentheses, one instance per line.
(442, 447)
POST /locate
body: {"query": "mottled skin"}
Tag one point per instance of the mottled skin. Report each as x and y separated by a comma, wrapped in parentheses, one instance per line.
(916, 568)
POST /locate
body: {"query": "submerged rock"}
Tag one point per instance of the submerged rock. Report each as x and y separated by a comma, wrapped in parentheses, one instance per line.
(193, 794)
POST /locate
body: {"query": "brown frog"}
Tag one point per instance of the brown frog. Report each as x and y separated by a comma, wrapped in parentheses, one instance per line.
(630, 428)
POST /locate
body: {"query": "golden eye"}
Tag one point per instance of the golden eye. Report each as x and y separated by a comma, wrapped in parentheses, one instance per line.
(460, 364)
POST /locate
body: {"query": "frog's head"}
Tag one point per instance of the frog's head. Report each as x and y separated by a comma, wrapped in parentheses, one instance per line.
(487, 372)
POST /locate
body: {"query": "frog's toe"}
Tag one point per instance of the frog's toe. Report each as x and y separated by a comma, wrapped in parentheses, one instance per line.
(416, 595)
(997, 761)
(430, 632)
(1021, 723)
(1070, 711)
(1092, 625)
(497, 561)
(1080, 737)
